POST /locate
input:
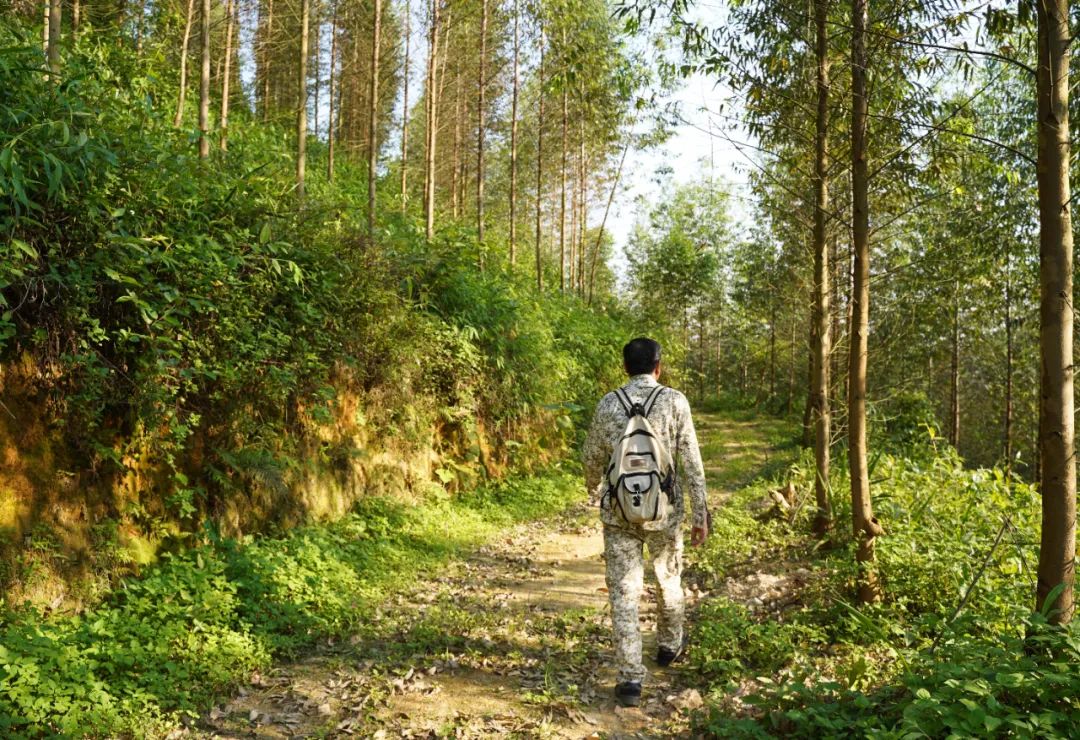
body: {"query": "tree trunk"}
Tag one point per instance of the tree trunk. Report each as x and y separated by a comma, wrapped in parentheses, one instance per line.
(865, 526)
(301, 99)
(821, 333)
(179, 117)
(954, 373)
(562, 191)
(268, 36)
(204, 85)
(331, 122)
(405, 106)
(457, 171)
(429, 169)
(583, 217)
(76, 17)
(540, 164)
(772, 349)
(373, 117)
(54, 28)
(230, 11)
(480, 125)
(1008, 433)
(514, 131)
(1058, 544)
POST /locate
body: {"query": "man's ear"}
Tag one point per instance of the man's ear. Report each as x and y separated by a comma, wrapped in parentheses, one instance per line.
(656, 372)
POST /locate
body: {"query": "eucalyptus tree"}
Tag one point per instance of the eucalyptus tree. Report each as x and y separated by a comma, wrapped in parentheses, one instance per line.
(1057, 553)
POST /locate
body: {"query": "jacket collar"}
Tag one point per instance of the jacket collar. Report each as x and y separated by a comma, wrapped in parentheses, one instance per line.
(646, 380)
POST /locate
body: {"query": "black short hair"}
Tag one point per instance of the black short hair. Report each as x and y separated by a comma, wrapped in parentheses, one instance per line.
(641, 355)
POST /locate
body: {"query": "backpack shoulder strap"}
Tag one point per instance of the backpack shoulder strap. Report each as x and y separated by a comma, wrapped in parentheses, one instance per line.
(624, 400)
(651, 400)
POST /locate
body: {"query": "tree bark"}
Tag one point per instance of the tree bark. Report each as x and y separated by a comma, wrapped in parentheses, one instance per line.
(821, 333)
(457, 170)
(405, 107)
(481, 123)
(514, 132)
(540, 165)
(55, 26)
(429, 169)
(954, 373)
(268, 36)
(866, 527)
(230, 11)
(562, 190)
(301, 99)
(1007, 451)
(331, 122)
(182, 95)
(204, 85)
(583, 199)
(373, 116)
(1058, 543)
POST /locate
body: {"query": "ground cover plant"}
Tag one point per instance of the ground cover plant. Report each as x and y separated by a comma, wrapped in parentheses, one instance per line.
(951, 652)
(203, 620)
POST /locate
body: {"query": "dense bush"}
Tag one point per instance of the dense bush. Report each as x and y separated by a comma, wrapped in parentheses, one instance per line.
(951, 651)
(197, 315)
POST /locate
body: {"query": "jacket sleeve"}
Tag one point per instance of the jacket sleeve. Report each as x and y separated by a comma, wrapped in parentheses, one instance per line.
(597, 450)
(690, 460)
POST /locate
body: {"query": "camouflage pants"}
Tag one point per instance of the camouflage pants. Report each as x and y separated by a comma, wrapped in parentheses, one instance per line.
(625, 581)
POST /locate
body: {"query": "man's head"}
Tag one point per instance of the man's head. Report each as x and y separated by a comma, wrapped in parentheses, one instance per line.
(641, 356)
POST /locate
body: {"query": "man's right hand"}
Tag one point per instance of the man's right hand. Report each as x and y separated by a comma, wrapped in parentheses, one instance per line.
(698, 535)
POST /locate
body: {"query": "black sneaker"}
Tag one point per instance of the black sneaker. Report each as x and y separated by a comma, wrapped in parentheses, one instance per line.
(666, 656)
(628, 693)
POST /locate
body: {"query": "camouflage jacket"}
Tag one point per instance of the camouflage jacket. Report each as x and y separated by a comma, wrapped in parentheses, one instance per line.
(670, 419)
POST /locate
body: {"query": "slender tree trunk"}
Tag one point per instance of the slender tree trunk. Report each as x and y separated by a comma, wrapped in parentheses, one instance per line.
(772, 349)
(373, 117)
(481, 124)
(230, 10)
(331, 123)
(821, 332)
(46, 13)
(607, 210)
(268, 37)
(457, 170)
(318, 72)
(866, 527)
(429, 177)
(54, 28)
(204, 85)
(301, 100)
(540, 165)
(1058, 543)
(76, 17)
(405, 108)
(1008, 434)
(562, 190)
(514, 132)
(583, 217)
(182, 95)
(954, 372)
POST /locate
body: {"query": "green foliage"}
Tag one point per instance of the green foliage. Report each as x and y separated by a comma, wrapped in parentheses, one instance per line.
(201, 621)
(950, 652)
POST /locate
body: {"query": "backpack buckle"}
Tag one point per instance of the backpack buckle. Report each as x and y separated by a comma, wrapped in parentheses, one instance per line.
(637, 410)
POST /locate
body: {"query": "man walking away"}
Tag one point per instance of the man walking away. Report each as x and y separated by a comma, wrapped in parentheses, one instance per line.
(640, 454)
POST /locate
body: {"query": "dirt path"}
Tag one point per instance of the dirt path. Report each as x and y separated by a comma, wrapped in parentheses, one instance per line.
(510, 641)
